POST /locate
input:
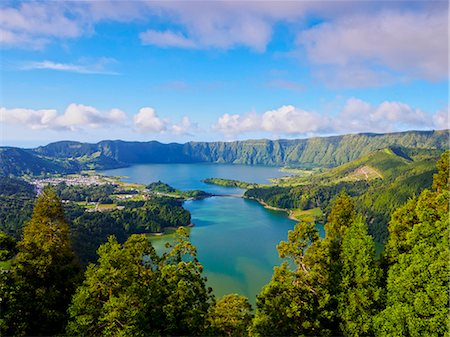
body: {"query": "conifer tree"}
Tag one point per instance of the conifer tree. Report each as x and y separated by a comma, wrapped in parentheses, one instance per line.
(44, 273)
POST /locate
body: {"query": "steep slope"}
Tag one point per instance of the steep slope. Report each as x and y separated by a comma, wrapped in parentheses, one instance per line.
(17, 162)
(312, 152)
(67, 156)
(395, 177)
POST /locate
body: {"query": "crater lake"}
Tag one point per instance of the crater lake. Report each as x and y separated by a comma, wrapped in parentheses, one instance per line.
(235, 238)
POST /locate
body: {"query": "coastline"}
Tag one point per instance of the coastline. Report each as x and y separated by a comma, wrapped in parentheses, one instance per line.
(265, 205)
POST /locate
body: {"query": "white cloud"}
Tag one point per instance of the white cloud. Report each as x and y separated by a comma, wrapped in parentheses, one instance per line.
(355, 116)
(183, 127)
(441, 119)
(146, 120)
(92, 67)
(33, 24)
(75, 117)
(360, 116)
(411, 43)
(284, 120)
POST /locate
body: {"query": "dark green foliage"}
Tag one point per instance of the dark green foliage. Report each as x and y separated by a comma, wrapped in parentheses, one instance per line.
(16, 205)
(441, 179)
(7, 246)
(229, 183)
(335, 287)
(291, 303)
(18, 162)
(133, 292)
(230, 316)
(305, 196)
(162, 188)
(43, 274)
(417, 254)
(116, 297)
(95, 193)
(360, 293)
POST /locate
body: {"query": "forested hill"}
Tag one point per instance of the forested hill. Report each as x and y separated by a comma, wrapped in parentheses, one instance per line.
(311, 152)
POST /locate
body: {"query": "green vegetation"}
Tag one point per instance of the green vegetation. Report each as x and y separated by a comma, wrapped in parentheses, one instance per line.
(379, 182)
(132, 291)
(16, 205)
(164, 189)
(325, 286)
(229, 183)
(43, 275)
(67, 157)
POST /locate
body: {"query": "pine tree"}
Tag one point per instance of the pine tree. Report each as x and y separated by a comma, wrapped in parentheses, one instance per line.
(44, 273)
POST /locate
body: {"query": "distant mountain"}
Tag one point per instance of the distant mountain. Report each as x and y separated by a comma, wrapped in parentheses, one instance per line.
(18, 162)
(312, 152)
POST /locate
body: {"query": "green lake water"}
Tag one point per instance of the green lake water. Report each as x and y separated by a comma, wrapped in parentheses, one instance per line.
(235, 238)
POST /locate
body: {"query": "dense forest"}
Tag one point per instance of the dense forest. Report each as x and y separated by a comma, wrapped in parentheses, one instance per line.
(379, 183)
(326, 286)
(70, 157)
(90, 229)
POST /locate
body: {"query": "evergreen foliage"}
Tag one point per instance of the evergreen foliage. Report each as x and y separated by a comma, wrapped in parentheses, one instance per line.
(417, 301)
(230, 316)
(44, 273)
(133, 291)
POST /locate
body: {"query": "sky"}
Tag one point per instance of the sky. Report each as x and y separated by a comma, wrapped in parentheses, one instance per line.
(178, 71)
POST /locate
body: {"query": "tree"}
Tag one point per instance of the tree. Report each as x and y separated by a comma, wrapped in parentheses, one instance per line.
(417, 285)
(131, 291)
(359, 294)
(230, 316)
(289, 304)
(44, 273)
(119, 296)
(7, 246)
(187, 299)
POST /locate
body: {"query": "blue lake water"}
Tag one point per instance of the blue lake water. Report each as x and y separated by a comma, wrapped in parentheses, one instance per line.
(235, 238)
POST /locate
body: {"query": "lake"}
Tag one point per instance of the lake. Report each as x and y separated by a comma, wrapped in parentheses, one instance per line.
(235, 238)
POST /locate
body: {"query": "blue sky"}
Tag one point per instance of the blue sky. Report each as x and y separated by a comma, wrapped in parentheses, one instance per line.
(220, 70)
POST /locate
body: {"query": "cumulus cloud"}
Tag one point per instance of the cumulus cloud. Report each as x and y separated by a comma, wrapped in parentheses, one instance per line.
(441, 119)
(355, 116)
(75, 117)
(184, 127)
(284, 120)
(360, 116)
(407, 42)
(146, 120)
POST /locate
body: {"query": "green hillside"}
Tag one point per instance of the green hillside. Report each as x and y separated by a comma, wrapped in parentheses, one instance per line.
(68, 156)
(18, 162)
(380, 182)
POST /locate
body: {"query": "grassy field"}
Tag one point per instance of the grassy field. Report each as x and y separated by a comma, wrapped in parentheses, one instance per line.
(309, 215)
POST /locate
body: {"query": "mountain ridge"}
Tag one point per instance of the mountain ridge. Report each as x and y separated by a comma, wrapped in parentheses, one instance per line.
(306, 153)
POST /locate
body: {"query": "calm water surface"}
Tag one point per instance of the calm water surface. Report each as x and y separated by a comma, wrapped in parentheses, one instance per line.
(235, 238)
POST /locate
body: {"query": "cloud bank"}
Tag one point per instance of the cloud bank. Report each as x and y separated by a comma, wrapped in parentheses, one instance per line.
(355, 116)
